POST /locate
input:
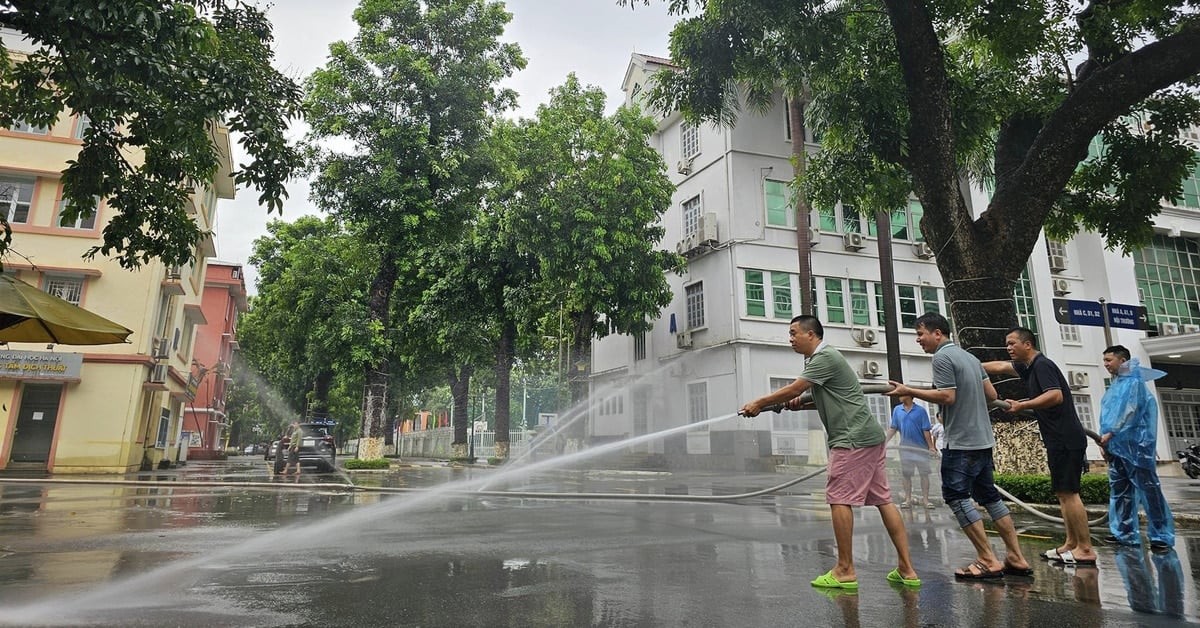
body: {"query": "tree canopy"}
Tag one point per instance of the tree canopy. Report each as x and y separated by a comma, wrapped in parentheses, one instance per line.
(406, 104)
(911, 96)
(152, 76)
(306, 330)
(591, 194)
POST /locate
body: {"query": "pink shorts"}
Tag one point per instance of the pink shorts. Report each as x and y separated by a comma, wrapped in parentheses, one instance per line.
(858, 477)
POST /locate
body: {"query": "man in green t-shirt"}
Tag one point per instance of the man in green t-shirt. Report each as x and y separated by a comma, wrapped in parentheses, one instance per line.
(857, 449)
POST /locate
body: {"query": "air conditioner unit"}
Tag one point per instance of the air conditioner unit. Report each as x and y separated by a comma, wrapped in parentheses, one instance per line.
(684, 166)
(1077, 380)
(174, 273)
(1061, 287)
(1167, 328)
(922, 250)
(853, 241)
(1058, 263)
(158, 374)
(683, 340)
(1189, 329)
(872, 368)
(161, 348)
(814, 236)
(864, 336)
(706, 229)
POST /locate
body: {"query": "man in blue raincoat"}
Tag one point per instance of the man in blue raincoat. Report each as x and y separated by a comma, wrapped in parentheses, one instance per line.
(1129, 434)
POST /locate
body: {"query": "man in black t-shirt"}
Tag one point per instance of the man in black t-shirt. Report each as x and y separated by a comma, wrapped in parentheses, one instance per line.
(1062, 434)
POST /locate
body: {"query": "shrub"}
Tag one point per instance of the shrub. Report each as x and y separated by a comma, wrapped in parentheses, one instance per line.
(495, 461)
(374, 463)
(1035, 489)
(463, 460)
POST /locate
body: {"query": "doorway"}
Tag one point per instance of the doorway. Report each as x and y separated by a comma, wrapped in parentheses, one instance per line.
(35, 423)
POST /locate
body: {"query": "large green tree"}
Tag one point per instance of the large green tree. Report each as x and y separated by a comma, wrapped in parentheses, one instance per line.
(919, 95)
(592, 192)
(397, 116)
(306, 333)
(153, 76)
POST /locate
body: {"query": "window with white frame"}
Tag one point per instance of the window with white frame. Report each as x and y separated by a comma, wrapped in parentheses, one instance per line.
(1056, 247)
(915, 301)
(1025, 304)
(788, 420)
(756, 282)
(824, 218)
(860, 304)
(695, 305)
(164, 428)
(21, 126)
(82, 124)
(1083, 408)
(639, 346)
(781, 295)
(1181, 413)
(691, 215)
(907, 296)
(1070, 334)
(835, 301)
(881, 408)
(905, 222)
(85, 220)
(16, 197)
(689, 140)
(1168, 278)
(64, 287)
(698, 402)
(779, 204)
(879, 311)
(756, 294)
(851, 221)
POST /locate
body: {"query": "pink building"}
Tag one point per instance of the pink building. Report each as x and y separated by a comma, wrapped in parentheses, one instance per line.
(205, 423)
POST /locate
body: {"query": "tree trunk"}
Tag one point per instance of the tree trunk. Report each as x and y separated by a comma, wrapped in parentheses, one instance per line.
(319, 404)
(887, 282)
(460, 389)
(578, 373)
(375, 397)
(799, 162)
(504, 361)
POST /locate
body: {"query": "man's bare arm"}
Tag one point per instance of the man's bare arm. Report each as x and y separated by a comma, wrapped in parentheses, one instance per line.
(1000, 367)
(940, 396)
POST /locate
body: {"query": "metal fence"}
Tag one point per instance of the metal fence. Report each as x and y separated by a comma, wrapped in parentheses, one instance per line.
(437, 443)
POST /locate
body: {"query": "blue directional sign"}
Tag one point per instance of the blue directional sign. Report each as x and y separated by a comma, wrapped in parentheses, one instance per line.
(1072, 312)
(1128, 316)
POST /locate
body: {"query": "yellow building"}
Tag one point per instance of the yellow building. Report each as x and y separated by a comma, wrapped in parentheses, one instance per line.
(111, 408)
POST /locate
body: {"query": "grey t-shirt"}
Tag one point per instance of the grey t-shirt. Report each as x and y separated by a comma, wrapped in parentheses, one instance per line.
(966, 420)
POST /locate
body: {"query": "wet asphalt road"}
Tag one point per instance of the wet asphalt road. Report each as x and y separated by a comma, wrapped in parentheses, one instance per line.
(318, 556)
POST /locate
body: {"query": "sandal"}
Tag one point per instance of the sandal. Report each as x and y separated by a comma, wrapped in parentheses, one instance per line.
(1009, 570)
(981, 572)
(894, 576)
(828, 581)
(1067, 558)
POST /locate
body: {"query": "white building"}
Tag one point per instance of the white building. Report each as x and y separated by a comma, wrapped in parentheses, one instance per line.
(723, 340)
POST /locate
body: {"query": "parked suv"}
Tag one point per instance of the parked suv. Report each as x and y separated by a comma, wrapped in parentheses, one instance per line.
(316, 450)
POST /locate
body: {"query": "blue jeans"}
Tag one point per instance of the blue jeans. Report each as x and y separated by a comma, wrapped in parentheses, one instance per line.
(967, 475)
(1130, 485)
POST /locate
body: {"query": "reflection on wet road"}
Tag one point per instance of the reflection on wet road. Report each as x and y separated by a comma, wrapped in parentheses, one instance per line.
(472, 561)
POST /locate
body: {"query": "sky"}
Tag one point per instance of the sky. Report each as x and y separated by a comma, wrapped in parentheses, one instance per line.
(592, 38)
